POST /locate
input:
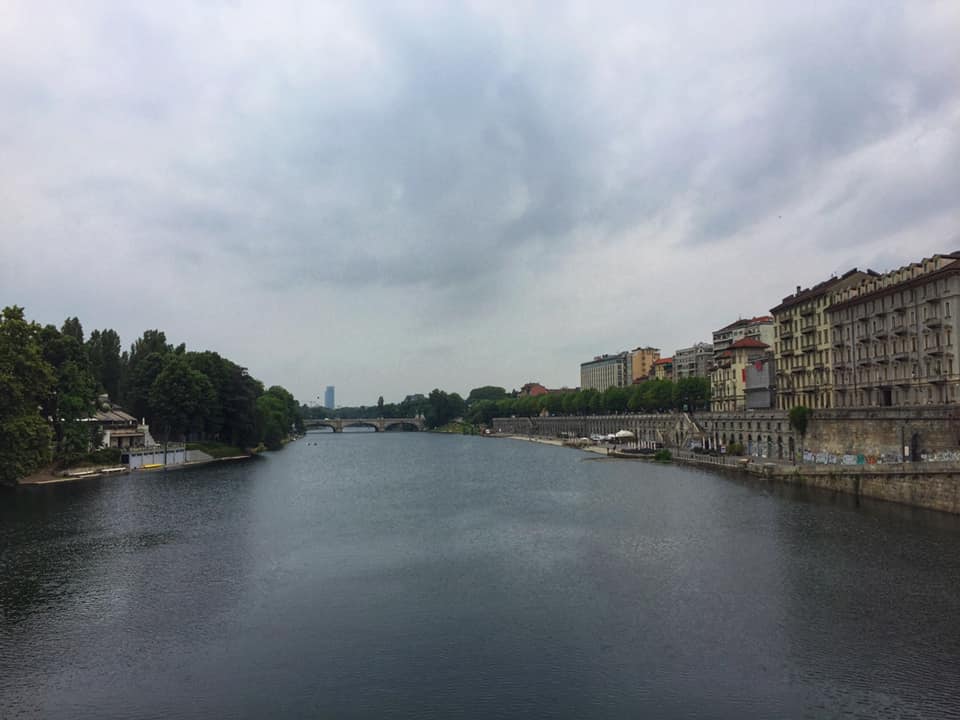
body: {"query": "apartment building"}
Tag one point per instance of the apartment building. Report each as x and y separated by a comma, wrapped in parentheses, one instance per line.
(606, 371)
(663, 369)
(893, 336)
(728, 380)
(756, 328)
(693, 361)
(802, 345)
(642, 360)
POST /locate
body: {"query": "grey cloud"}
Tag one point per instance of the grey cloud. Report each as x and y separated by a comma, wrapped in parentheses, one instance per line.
(443, 158)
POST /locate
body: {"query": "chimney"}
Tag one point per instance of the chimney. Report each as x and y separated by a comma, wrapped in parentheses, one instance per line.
(798, 289)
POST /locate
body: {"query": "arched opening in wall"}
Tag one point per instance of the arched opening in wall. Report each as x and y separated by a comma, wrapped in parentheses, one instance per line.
(793, 449)
(915, 447)
(749, 444)
(779, 447)
(769, 452)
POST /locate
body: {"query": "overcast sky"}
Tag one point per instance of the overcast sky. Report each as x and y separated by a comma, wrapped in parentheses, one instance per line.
(395, 197)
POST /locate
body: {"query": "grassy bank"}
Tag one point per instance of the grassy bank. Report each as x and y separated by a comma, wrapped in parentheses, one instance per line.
(217, 450)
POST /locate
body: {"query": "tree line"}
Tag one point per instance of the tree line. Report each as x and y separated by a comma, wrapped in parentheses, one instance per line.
(651, 396)
(50, 379)
(489, 401)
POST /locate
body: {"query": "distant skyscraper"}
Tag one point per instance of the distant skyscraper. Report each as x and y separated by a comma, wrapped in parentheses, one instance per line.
(328, 397)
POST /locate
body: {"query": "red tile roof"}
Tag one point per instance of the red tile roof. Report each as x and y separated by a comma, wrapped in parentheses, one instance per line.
(748, 343)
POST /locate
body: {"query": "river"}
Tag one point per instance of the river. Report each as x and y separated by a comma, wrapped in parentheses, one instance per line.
(409, 575)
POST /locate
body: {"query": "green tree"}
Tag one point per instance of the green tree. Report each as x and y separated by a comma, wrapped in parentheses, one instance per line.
(106, 365)
(133, 390)
(799, 419)
(442, 408)
(26, 382)
(486, 392)
(139, 382)
(73, 328)
(553, 403)
(271, 420)
(180, 398)
(71, 402)
(482, 412)
(291, 414)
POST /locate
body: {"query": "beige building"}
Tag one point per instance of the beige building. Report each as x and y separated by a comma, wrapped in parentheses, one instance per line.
(606, 371)
(802, 346)
(642, 360)
(756, 328)
(893, 337)
(663, 369)
(728, 380)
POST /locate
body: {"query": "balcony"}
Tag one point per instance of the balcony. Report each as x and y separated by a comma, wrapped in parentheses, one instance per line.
(798, 370)
(932, 322)
(808, 327)
(808, 309)
(901, 356)
(839, 342)
(881, 333)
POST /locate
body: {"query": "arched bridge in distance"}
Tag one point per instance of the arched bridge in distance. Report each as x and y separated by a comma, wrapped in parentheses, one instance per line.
(378, 424)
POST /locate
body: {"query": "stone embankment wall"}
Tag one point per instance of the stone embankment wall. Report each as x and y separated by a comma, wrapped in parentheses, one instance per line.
(864, 436)
(933, 486)
(669, 429)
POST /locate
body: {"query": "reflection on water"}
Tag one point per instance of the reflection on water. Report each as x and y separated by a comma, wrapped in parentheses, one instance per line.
(364, 575)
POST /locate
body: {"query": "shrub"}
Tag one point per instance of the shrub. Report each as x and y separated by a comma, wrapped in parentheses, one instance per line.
(663, 456)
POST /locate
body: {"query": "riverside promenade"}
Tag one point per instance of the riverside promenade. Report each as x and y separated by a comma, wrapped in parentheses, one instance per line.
(929, 485)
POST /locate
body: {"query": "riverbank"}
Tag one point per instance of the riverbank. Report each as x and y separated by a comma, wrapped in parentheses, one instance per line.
(932, 486)
(596, 449)
(47, 476)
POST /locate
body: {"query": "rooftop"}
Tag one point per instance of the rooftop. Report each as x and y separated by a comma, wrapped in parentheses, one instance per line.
(749, 343)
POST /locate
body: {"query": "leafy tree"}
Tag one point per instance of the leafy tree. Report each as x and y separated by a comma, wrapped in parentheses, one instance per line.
(414, 406)
(139, 384)
(26, 382)
(291, 409)
(799, 419)
(71, 401)
(615, 399)
(181, 397)
(486, 392)
(442, 408)
(482, 412)
(106, 365)
(73, 328)
(553, 403)
(271, 420)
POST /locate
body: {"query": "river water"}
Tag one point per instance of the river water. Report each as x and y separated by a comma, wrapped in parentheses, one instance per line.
(408, 575)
